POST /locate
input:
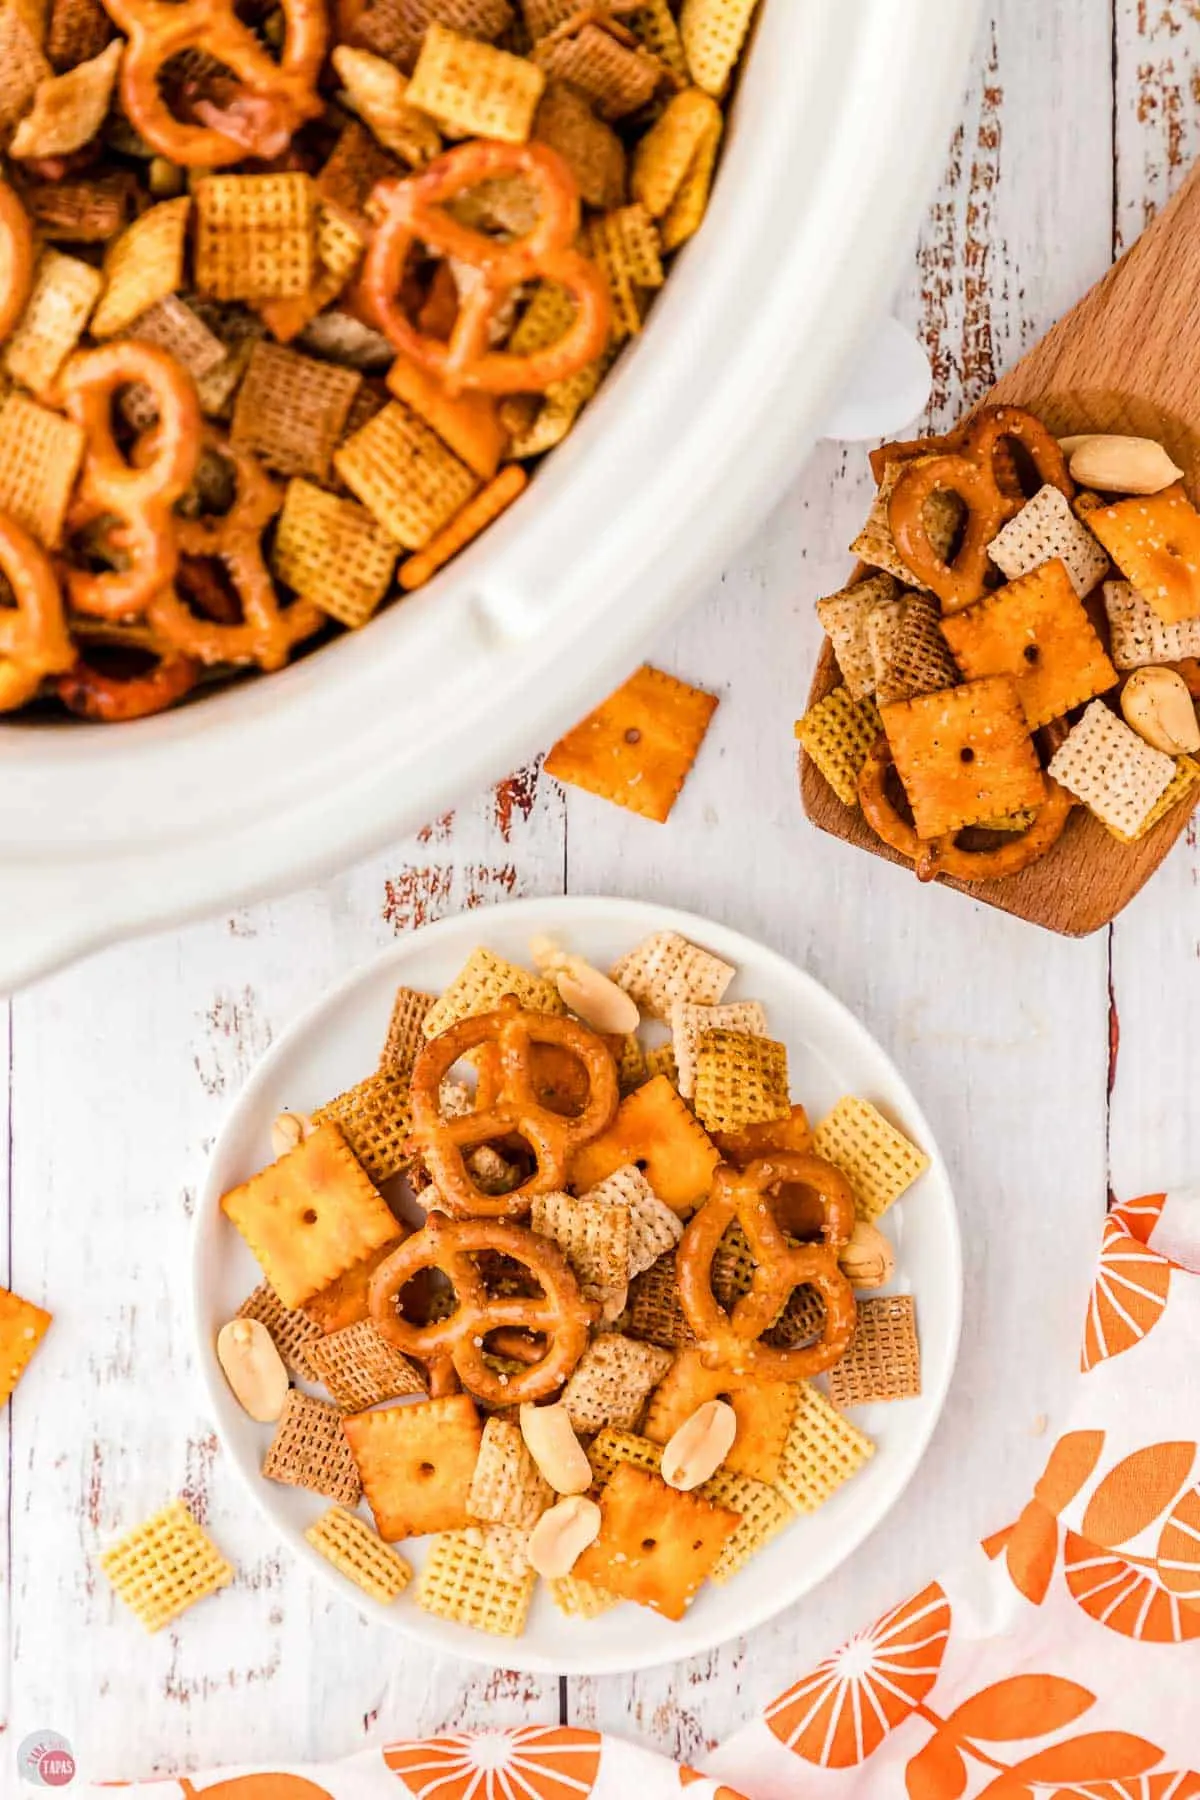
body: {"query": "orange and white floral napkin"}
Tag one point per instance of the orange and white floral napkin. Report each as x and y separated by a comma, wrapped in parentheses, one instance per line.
(1061, 1661)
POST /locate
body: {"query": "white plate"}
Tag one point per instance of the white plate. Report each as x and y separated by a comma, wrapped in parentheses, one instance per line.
(337, 1042)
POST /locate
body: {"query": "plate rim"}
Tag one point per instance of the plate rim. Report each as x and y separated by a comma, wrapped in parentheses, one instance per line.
(512, 1653)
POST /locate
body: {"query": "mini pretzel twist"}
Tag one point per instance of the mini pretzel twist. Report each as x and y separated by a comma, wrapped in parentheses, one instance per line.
(978, 472)
(140, 495)
(275, 97)
(559, 1314)
(108, 698)
(267, 632)
(732, 1340)
(16, 259)
(413, 211)
(506, 1104)
(932, 857)
(33, 635)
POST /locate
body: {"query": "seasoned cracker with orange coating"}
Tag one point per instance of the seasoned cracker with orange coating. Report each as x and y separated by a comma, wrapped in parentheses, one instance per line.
(655, 1129)
(964, 754)
(656, 1545)
(416, 1463)
(639, 745)
(1154, 539)
(22, 1328)
(344, 1301)
(310, 1216)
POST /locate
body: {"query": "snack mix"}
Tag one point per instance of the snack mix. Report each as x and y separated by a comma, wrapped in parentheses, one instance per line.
(294, 298)
(612, 1355)
(1020, 638)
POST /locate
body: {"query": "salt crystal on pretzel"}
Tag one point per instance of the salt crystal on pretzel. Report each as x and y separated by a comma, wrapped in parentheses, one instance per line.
(142, 267)
(68, 110)
(332, 551)
(473, 89)
(1046, 528)
(55, 317)
(714, 33)
(1116, 774)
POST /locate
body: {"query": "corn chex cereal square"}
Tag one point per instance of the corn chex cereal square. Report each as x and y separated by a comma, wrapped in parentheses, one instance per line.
(713, 33)
(668, 151)
(332, 551)
(689, 1022)
(256, 236)
(1116, 774)
(655, 1129)
(164, 1566)
(611, 1447)
(416, 1463)
(1184, 784)
(740, 1080)
(1154, 539)
(291, 1331)
(655, 1310)
(908, 649)
(593, 1237)
(822, 1451)
(507, 1487)
(653, 1227)
(964, 754)
(375, 1118)
(22, 1328)
(56, 313)
(482, 510)
(1137, 636)
(665, 969)
(291, 410)
(461, 1583)
(625, 246)
(481, 984)
(506, 1548)
(844, 616)
(656, 1546)
(612, 1382)
(142, 266)
(581, 1599)
(1038, 631)
(661, 1060)
(405, 1039)
(310, 1216)
(763, 1514)
(654, 23)
(638, 746)
(310, 1451)
(878, 1161)
(1046, 530)
(883, 1361)
(688, 209)
(404, 474)
(837, 735)
(360, 1368)
(347, 1541)
(473, 89)
(875, 543)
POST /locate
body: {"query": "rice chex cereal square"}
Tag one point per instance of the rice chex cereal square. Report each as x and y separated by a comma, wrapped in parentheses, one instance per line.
(1045, 529)
(1116, 774)
(878, 1161)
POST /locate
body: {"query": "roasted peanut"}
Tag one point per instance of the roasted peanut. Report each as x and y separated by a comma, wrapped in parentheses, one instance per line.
(550, 1439)
(868, 1260)
(1120, 465)
(561, 1536)
(253, 1368)
(1157, 704)
(288, 1130)
(700, 1446)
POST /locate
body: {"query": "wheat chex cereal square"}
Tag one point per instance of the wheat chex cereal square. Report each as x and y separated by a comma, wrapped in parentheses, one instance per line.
(844, 616)
(878, 1161)
(405, 1038)
(404, 474)
(164, 1566)
(310, 1451)
(875, 543)
(310, 1216)
(740, 1080)
(1116, 774)
(655, 1129)
(22, 1328)
(638, 746)
(689, 1022)
(256, 236)
(291, 410)
(291, 1331)
(964, 754)
(473, 89)
(837, 735)
(763, 1514)
(655, 1310)
(593, 1237)
(612, 1382)
(331, 551)
(822, 1451)
(1036, 630)
(375, 1118)
(1154, 539)
(615, 72)
(591, 149)
(656, 1546)
(653, 1227)
(56, 313)
(507, 1487)
(665, 968)
(1185, 782)
(460, 1582)
(360, 1368)
(416, 1463)
(355, 1551)
(1138, 636)
(883, 1361)
(481, 984)
(908, 649)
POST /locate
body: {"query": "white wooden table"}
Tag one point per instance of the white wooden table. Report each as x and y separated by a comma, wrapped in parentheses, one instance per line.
(1079, 118)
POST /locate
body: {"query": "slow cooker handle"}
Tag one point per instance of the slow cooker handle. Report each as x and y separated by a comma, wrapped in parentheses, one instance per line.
(889, 385)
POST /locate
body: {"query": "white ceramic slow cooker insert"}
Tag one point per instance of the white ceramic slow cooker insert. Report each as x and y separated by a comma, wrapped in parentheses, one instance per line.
(841, 119)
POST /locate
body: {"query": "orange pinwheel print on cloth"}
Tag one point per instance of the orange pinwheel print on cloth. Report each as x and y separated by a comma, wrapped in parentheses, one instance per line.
(1059, 1661)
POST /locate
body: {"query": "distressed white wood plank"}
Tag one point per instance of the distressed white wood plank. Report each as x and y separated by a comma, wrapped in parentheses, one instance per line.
(1155, 1122)
(125, 1068)
(1000, 1028)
